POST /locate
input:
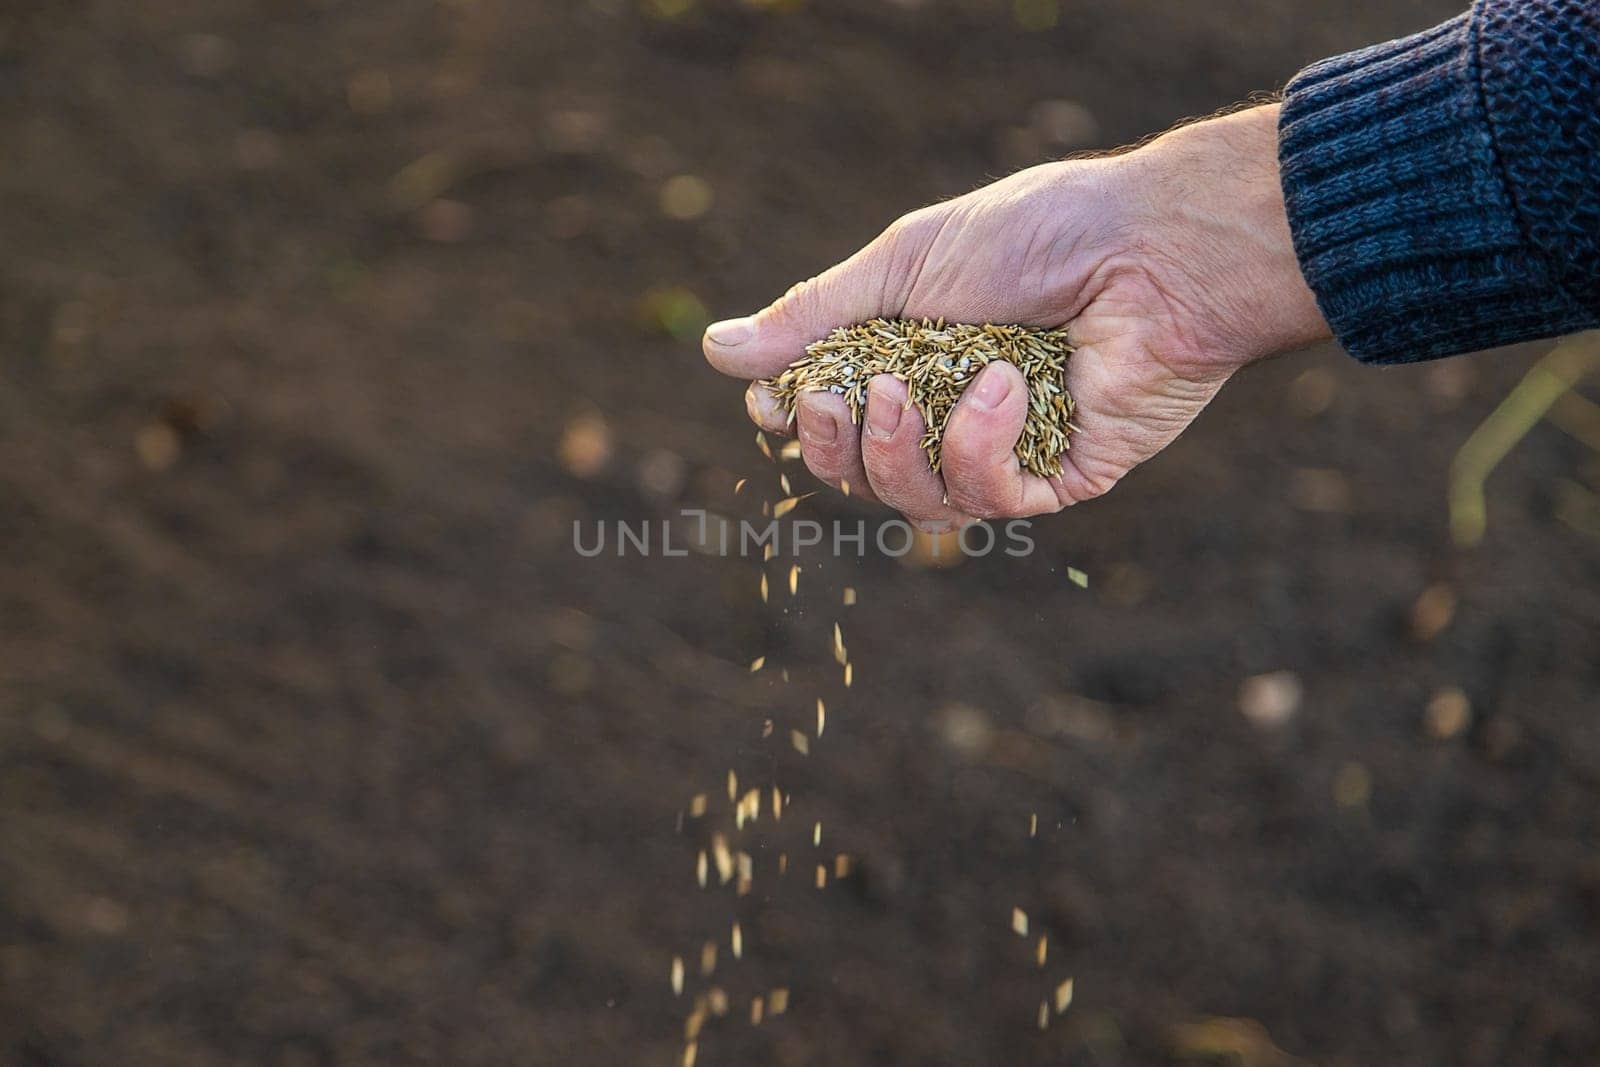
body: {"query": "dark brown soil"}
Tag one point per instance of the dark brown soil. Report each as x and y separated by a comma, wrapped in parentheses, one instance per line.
(319, 744)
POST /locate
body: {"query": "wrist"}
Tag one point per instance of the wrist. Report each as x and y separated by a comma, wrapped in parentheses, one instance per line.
(1216, 208)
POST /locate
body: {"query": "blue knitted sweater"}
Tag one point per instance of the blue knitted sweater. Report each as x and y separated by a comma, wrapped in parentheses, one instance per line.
(1443, 190)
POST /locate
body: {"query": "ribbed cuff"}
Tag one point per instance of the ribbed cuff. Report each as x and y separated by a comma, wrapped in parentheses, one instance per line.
(1400, 215)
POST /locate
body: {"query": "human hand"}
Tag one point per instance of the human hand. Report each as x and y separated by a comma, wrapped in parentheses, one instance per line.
(1172, 266)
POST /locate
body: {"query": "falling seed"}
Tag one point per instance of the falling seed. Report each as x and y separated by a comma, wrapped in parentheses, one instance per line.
(1033, 825)
(689, 1052)
(849, 674)
(738, 485)
(1077, 578)
(794, 578)
(708, 958)
(841, 866)
(677, 976)
(757, 663)
(822, 876)
(747, 872)
(761, 443)
(778, 1000)
(696, 1019)
(777, 804)
(733, 786)
(736, 942)
(784, 674)
(1044, 1014)
(816, 835)
(844, 486)
(1043, 951)
(700, 869)
(697, 805)
(840, 656)
(788, 504)
(783, 483)
(849, 597)
(801, 743)
(783, 863)
(767, 553)
(763, 588)
(1063, 996)
(723, 857)
(1019, 922)
(757, 1010)
(790, 450)
(766, 728)
(717, 1001)
(822, 717)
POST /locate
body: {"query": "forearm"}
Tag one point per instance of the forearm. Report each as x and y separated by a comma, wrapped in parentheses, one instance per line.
(1444, 190)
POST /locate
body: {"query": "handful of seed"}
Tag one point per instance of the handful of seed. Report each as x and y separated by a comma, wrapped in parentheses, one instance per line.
(937, 361)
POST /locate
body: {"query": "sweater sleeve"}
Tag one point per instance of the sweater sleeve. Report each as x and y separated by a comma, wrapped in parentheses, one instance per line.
(1443, 190)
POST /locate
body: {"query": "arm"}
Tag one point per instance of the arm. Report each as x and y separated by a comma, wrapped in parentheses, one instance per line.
(1444, 189)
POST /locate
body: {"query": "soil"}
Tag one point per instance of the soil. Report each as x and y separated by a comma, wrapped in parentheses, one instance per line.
(319, 743)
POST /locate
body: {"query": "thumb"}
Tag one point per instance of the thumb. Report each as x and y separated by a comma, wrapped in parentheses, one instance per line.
(761, 345)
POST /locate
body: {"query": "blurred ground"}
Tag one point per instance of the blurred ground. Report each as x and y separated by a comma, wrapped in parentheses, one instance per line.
(319, 745)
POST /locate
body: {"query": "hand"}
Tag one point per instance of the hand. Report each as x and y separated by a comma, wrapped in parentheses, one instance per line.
(1172, 264)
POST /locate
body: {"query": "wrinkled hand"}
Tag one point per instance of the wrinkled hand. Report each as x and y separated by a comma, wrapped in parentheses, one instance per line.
(1172, 264)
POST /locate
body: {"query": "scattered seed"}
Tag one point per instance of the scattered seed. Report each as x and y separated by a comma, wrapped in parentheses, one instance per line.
(788, 504)
(708, 958)
(766, 728)
(677, 976)
(1033, 825)
(777, 804)
(822, 717)
(1043, 950)
(1063, 996)
(717, 1001)
(1044, 1014)
(736, 942)
(697, 805)
(700, 869)
(696, 1019)
(841, 866)
(816, 835)
(849, 674)
(723, 857)
(794, 578)
(849, 597)
(801, 743)
(790, 450)
(733, 786)
(844, 486)
(1077, 578)
(822, 876)
(738, 485)
(689, 1052)
(1019, 922)
(761, 443)
(767, 553)
(938, 361)
(840, 656)
(783, 483)
(778, 1000)
(763, 588)
(783, 863)
(757, 1010)
(757, 663)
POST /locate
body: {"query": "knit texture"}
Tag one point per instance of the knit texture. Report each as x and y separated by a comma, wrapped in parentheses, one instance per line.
(1443, 190)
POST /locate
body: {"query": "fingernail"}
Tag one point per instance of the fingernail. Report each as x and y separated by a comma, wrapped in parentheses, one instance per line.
(883, 414)
(990, 390)
(762, 406)
(819, 428)
(731, 332)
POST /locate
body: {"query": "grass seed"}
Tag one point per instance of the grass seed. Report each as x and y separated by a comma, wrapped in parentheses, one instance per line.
(937, 361)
